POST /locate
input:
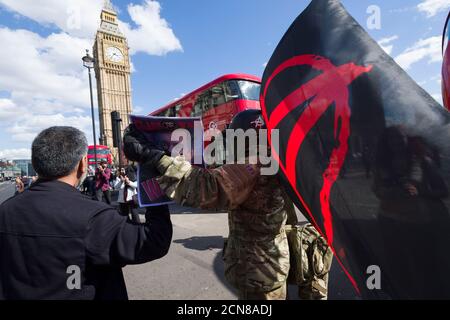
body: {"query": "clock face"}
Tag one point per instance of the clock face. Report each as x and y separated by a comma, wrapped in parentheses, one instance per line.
(114, 54)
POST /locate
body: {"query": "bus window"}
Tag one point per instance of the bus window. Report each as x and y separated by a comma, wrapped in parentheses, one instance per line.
(201, 105)
(249, 90)
(197, 110)
(168, 113)
(206, 101)
(232, 91)
(177, 109)
(218, 96)
(164, 113)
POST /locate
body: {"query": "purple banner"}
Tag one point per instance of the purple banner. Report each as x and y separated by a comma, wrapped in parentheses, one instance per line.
(175, 136)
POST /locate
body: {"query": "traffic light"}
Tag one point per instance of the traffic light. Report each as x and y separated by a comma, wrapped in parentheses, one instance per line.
(116, 128)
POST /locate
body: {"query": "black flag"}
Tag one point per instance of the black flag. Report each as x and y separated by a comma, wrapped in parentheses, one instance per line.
(446, 64)
(364, 153)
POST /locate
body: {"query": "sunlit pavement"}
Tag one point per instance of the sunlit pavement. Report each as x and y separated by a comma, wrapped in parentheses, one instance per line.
(193, 268)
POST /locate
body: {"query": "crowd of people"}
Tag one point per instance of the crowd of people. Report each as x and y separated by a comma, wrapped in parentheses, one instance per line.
(100, 184)
(106, 183)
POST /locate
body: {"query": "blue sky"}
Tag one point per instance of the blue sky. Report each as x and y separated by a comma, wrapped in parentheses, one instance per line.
(176, 47)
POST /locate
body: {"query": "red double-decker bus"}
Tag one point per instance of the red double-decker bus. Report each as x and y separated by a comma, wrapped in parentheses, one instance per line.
(103, 153)
(218, 101)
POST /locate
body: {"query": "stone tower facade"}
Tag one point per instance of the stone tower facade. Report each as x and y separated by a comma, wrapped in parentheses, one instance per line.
(112, 72)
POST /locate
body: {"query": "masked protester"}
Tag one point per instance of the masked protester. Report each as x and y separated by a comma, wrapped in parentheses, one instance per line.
(256, 254)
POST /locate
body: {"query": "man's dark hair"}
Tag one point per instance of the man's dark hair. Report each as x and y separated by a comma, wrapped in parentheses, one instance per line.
(56, 151)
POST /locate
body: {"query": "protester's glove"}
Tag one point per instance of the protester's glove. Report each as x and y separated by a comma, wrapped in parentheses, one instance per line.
(137, 148)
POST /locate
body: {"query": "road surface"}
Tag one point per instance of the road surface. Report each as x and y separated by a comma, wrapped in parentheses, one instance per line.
(193, 269)
(7, 189)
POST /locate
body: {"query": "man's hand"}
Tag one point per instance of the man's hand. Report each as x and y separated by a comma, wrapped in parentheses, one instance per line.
(135, 147)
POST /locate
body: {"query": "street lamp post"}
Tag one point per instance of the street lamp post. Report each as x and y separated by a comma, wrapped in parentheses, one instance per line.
(88, 62)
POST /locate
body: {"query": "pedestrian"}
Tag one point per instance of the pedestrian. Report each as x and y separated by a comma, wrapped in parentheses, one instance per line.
(126, 183)
(57, 243)
(90, 183)
(256, 254)
(102, 186)
(20, 187)
(112, 176)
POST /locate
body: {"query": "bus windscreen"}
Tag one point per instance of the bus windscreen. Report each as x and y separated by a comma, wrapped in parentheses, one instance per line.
(249, 90)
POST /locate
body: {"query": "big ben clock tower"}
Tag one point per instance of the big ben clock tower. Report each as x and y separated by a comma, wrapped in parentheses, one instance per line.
(112, 71)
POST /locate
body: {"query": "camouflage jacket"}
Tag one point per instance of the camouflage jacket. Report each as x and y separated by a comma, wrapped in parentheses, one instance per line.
(257, 252)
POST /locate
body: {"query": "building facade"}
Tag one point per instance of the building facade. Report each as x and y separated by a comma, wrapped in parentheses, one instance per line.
(26, 167)
(9, 172)
(112, 71)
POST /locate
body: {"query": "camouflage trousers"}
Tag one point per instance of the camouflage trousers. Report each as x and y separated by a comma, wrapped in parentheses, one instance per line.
(316, 290)
(258, 270)
(276, 294)
(311, 260)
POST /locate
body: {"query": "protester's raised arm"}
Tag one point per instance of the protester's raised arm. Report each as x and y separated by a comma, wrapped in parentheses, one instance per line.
(223, 188)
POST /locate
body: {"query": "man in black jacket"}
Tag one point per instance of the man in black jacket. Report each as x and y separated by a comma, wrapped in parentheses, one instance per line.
(56, 243)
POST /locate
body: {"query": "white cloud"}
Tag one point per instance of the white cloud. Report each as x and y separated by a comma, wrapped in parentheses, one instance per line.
(422, 83)
(153, 34)
(180, 96)
(43, 76)
(438, 98)
(22, 124)
(434, 80)
(46, 82)
(433, 7)
(425, 49)
(80, 18)
(43, 73)
(132, 67)
(27, 128)
(14, 154)
(402, 9)
(7, 109)
(386, 43)
(76, 17)
(138, 110)
(437, 79)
